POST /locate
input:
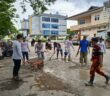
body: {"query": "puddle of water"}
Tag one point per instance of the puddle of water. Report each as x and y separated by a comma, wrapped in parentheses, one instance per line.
(84, 75)
(74, 67)
(77, 66)
(10, 85)
(28, 76)
(32, 95)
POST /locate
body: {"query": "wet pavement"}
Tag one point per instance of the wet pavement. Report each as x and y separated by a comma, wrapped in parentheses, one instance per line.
(58, 78)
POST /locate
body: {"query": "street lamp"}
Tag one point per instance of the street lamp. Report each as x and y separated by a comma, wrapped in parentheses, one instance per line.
(107, 8)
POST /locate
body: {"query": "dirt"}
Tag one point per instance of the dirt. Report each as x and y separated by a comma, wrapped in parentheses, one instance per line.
(49, 82)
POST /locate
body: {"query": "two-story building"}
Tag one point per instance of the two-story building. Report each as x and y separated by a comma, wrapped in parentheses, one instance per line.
(47, 25)
(92, 21)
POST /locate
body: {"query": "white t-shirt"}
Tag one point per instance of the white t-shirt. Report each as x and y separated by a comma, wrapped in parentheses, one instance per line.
(102, 46)
(69, 44)
(24, 47)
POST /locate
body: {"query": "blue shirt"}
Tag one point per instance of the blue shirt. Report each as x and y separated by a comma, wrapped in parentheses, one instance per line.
(84, 44)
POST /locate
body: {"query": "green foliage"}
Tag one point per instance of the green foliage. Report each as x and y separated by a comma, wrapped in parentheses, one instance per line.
(39, 6)
(7, 13)
(71, 33)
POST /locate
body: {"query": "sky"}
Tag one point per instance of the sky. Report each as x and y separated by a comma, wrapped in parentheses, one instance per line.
(69, 8)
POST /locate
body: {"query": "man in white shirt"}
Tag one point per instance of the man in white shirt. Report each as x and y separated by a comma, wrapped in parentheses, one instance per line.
(103, 47)
(68, 46)
(25, 49)
(17, 56)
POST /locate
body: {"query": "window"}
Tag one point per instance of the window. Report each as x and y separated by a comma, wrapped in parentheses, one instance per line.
(104, 27)
(82, 21)
(44, 25)
(97, 17)
(46, 32)
(62, 25)
(53, 32)
(54, 20)
(47, 19)
(63, 31)
(54, 26)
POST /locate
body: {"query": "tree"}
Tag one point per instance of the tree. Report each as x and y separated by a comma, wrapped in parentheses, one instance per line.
(71, 33)
(39, 6)
(7, 13)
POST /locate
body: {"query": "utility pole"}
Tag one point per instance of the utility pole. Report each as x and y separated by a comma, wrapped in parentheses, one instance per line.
(107, 8)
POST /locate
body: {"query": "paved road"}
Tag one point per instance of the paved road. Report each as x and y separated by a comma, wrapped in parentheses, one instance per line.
(58, 79)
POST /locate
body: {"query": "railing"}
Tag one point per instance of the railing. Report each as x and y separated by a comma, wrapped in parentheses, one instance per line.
(88, 25)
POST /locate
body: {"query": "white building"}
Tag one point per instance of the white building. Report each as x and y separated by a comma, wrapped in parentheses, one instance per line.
(25, 27)
(47, 25)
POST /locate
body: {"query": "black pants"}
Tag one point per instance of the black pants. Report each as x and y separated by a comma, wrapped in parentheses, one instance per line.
(25, 55)
(61, 52)
(17, 64)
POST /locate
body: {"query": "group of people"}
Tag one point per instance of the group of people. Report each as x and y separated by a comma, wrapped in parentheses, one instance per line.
(40, 48)
(21, 53)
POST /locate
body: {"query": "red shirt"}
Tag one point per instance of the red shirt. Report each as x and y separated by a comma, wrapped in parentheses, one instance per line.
(96, 52)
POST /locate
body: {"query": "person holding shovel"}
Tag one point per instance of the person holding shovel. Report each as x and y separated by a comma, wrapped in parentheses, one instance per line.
(39, 49)
(83, 49)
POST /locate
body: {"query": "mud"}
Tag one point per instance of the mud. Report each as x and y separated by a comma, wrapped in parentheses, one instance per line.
(32, 95)
(10, 85)
(49, 82)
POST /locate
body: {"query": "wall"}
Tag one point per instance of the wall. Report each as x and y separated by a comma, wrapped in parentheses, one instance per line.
(87, 19)
(34, 25)
(62, 27)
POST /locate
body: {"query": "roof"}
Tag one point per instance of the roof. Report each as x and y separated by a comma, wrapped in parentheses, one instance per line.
(51, 15)
(93, 7)
(90, 11)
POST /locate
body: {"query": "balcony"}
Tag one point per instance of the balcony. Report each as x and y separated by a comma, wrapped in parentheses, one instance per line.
(89, 25)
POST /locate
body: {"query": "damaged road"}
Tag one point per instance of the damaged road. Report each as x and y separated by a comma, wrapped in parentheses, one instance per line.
(57, 79)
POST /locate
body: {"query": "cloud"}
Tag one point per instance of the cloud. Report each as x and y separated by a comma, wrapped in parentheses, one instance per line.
(72, 7)
(85, 3)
